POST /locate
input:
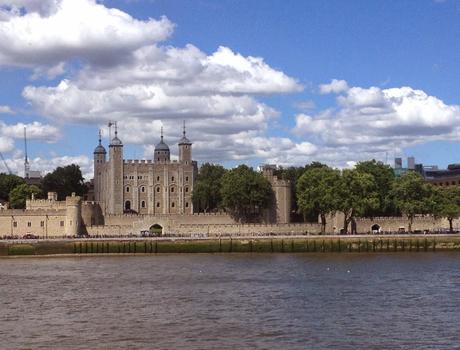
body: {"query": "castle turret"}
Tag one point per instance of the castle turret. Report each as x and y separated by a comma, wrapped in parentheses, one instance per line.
(185, 149)
(281, 207)
(99, 159)
(162, 154)
(73, 215)
(115, 205)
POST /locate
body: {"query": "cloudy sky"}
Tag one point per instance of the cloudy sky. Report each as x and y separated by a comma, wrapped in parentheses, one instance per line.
(277, 81)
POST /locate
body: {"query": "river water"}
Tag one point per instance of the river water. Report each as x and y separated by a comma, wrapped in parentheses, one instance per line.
(232, 301)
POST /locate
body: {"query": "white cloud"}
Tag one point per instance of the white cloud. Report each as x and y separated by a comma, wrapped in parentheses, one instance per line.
(6, 110)
(47, 164)
(374, 122)
(6, 144)
(42, 34)
(335, 86)
(35, 131)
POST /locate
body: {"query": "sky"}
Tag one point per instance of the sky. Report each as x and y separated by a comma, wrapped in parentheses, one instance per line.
(279, 81)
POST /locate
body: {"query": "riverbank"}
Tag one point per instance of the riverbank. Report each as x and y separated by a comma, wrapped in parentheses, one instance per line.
(306, 244)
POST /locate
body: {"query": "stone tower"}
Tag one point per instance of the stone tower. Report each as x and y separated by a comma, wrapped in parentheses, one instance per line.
(115, 195)
(282, 190)
(162, 154)
(185, 149)
(73, 215)
(99, 160)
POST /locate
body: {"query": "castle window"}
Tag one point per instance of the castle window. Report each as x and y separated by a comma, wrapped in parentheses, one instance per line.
(158, 178)
(139, 177)
(186, 204)
(158, 204)
(70, 222)
(186, 189)
(142, 189)
(29, 224)
(172, 205)
(42, 223)
(158, 159)
(172, 178)
(186, 178)
(15, 224)
(128, 205)
(158, 189)
(143, 204)
(127, 189)
(62, 223)
(172, 189)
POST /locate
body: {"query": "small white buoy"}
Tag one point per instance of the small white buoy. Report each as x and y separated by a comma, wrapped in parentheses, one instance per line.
(348, 271)
(327, 269)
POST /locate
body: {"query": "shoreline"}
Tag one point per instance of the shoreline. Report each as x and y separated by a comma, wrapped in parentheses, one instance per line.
(187, 245)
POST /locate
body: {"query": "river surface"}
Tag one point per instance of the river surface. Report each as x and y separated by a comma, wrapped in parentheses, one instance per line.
(232, 301)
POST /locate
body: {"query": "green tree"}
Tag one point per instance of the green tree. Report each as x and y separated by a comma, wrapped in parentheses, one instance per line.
(206, 194)
(7, 183)
(316, 192)
(245, 193)
(412, 195)
(357, 194)
(383, 177)
(19, 194)
(64, 181)
(448, 199)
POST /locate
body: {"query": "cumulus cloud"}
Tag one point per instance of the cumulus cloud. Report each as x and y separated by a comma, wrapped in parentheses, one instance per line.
(335, 87)
(46, 33)
(6, 110)
(35, 131)
(48, 164)
(370, 122)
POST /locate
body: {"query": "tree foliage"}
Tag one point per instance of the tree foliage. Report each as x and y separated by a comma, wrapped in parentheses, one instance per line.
(412, 195)
(8, 183)
(21, 193)
(384, 178)
(64, 181)
(357, 195)
(448, 200)
(206, 194)
(245, 193)
(316, 192)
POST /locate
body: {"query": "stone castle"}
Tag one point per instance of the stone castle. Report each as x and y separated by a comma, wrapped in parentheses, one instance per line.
(132, 197)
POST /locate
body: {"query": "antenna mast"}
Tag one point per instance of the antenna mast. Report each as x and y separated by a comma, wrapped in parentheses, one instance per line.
(26, 159)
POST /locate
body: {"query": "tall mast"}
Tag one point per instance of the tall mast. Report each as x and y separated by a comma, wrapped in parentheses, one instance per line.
(26, 158)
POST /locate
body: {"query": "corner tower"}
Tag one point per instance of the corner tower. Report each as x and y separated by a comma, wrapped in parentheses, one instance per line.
(99, 159)
(115, 197)
(185, 149)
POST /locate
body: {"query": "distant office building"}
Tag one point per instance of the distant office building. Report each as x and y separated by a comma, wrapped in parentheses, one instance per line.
(410, 163)
(398, 163)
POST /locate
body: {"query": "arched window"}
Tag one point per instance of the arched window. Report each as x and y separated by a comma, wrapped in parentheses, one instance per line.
(186, 204)
(158, 178)
(172, 189)
(143, 204)
(186, 178)
(172, 178)
(172, 205)
(127, 188)
(142, 189)
(158, 189)
(158, 204)
(128, 205)
(186, 189)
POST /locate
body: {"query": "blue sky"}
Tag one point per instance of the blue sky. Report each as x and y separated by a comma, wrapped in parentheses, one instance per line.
(284, 82)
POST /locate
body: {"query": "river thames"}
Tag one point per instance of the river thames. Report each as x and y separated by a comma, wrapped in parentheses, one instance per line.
(232, 301)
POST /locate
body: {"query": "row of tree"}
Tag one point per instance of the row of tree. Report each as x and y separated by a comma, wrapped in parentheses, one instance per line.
(370, 189)
(63, 180)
